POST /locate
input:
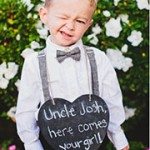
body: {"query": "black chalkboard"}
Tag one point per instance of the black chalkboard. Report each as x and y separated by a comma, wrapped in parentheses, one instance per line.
(81, 125)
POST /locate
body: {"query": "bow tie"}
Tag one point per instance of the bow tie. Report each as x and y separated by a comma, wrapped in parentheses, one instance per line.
(75, 54)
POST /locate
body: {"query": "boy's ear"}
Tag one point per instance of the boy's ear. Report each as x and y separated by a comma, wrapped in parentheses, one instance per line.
(43, 15)
(91, 22)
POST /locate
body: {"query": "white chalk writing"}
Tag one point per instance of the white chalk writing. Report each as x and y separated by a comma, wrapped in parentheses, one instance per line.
(95, 108)
(64, 112)
(70, 112)
(92, 126)
(59, 132)
(86, 143)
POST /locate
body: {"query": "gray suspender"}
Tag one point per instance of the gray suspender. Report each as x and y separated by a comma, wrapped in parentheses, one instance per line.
(94, 73)
(43, 74)
(44, 77)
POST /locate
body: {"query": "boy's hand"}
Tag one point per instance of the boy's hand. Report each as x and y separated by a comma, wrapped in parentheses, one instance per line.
(126, 148)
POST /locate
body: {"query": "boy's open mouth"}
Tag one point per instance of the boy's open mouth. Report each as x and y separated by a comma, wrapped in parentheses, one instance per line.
(66, 35)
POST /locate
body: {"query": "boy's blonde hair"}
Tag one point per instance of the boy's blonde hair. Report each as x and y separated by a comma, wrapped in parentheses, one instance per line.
(93, 2)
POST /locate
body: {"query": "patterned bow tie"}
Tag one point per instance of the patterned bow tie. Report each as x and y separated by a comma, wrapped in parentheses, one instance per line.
(75, 54)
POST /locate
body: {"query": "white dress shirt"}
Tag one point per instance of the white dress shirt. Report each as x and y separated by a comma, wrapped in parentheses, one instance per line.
(67, 80)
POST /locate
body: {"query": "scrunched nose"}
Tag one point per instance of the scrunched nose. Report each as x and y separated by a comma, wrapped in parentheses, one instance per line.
(70, 25)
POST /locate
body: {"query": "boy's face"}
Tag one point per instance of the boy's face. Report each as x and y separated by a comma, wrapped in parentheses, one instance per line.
(67, 20)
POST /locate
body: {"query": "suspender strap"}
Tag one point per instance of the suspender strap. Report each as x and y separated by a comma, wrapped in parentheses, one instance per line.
(94, 73)
(43, 74)
(44, 77)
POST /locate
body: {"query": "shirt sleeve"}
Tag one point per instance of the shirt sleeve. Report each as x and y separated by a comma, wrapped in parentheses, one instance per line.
(27, 103)
(111, 93)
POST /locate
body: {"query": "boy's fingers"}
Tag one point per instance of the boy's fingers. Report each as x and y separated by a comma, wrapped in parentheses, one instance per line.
(126, 148)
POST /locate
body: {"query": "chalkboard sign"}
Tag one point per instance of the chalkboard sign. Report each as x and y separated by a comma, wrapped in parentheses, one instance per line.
(81, 125)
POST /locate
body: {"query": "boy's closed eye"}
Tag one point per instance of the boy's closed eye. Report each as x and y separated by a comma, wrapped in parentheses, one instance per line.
(64, 17)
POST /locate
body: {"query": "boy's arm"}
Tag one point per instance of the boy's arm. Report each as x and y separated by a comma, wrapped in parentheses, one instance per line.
(111, 93)
(28, 101)
(118, 139)
(28, 131)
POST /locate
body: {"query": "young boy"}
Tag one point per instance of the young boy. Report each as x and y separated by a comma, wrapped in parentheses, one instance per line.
(67, 21)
